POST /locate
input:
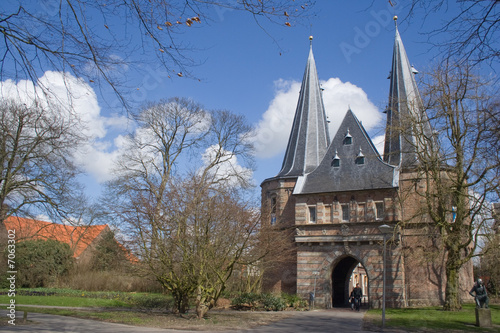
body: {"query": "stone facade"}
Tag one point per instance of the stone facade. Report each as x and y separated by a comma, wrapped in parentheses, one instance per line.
(328, 250)
(278, 209)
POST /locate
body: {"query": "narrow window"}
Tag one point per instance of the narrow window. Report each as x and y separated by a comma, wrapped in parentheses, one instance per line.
(345, 212)
(312, 214)
(380, 210)
(273, 210)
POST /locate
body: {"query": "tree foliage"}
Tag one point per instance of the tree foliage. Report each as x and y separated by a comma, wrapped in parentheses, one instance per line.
(187, 216)
(39, 263)
(458, 166)
(108, 255)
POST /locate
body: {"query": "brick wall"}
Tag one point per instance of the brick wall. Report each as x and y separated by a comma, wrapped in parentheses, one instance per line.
(415, 260)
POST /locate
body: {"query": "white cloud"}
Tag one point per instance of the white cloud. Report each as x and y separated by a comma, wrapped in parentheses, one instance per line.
(273, 130)
(271, 136)
(339, 96)
(75, 98)
(379, 142)
(228, 167)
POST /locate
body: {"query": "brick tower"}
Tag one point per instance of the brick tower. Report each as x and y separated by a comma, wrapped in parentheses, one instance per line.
(335, 194)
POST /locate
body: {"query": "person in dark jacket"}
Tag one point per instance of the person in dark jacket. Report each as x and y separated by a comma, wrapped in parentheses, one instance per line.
(357, 293)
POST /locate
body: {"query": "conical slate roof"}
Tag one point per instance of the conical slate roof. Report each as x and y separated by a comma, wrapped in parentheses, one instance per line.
(405, 114)
(309, 136)
(351, 163)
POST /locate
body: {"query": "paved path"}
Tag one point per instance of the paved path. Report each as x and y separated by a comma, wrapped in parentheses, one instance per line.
(311, 322)
(338, 320)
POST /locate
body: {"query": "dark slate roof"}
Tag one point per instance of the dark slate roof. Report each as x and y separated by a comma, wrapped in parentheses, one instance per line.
(349, 176)
(309, 136)
(405, 107)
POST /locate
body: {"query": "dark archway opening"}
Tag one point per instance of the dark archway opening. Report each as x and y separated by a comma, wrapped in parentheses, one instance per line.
(341, 276)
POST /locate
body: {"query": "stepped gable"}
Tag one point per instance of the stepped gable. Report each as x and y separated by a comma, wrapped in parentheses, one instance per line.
(309, 137)
(351, 163)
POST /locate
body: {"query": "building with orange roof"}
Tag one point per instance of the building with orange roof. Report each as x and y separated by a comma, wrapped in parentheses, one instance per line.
(81, 239)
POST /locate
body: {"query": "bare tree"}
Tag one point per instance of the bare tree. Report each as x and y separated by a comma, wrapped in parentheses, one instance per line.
(37, 174)
(472, 31)
(488, 266)
(456, 172)
(97, 40)
(179, 189)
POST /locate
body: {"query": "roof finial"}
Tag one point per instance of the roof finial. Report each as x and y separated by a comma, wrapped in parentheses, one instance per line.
(311, 40)
(395, 18)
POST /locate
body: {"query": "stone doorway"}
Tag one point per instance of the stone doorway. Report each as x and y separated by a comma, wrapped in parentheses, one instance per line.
(347, 272)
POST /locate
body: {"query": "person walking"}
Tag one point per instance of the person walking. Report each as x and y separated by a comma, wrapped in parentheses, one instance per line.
(357, 293)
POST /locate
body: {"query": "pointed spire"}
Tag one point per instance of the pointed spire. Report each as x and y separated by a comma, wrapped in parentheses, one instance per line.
(309, 137)
(405, 110)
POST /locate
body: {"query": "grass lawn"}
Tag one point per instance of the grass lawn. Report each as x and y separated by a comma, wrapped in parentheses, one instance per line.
(138, 309)
(65, 301)
(431, 319)
(79, 298)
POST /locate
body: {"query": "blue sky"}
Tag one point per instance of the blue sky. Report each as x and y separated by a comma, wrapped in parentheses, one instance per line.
(244, 70)
(256, 72)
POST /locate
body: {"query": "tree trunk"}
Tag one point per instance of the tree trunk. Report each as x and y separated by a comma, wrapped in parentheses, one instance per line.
(181, 303)
(201, 307)
(452, 293)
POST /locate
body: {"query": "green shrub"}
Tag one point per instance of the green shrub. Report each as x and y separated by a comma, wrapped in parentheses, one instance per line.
(254, 301)
(40, 263)
(294, 301)
(273, 303)
(248, 300)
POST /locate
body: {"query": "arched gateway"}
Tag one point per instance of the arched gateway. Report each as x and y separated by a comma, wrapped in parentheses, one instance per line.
(336, 194)
(330, 267)
(346, 273)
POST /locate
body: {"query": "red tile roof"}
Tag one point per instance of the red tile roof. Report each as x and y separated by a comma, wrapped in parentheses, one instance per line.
(78, 238)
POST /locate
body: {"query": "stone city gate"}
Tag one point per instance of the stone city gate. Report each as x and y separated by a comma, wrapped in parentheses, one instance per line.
(325, 263)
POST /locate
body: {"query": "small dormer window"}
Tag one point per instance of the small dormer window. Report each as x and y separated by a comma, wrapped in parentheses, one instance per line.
(360, 159)
(336, 160)
(348, 138)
